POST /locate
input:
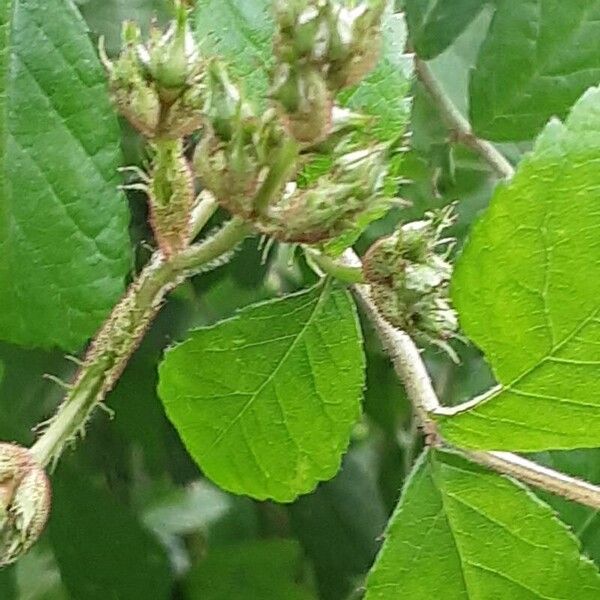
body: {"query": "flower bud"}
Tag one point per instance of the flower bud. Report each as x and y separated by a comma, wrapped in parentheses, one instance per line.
(355, 43)
(409, 279)
(171, 196)
(304, 102)
(24, 502)
(173, 60)
(135, 98)
(334, 203)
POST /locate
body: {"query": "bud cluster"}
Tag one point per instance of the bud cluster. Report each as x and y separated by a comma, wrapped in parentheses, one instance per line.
(237, 147)
(24, 502)
(409, 278)
(157, 86)
(335, 202)
(321, 46)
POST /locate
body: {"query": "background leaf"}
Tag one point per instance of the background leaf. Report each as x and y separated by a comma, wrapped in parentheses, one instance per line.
(527, 291)
(460, 532)
(64, 244)
(435, 24)
(250, 571)
(265, 401)
(103, 552)
(241, 33)
(539, 57)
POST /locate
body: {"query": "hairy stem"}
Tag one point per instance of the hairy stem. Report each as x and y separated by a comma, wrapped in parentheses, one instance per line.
(539, 476)
(122, 332)
(411, 370)
(343, 272)
(457, 123)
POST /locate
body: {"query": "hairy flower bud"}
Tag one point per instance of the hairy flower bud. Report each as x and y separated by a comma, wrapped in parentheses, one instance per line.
(409, 279)
(173, 60)
(304, 102)
(334, 203)
(24, 501)
(355, 43)
(171, 196)
(158, 86)
(135, 97)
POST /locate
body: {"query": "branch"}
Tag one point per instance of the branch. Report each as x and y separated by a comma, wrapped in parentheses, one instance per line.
(457, 123)
(411, 370)
(122, 332)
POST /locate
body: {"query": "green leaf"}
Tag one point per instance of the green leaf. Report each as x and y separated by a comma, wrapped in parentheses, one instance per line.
(265, 401)
(434, 24)
(239, 31)
(539, 57)
(102, 550)
(528, 294)
(339, 525)
(64, 244)
(461, 533)
(250, 571)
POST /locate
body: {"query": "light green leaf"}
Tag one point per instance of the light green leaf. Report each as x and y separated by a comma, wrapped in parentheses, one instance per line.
(528, 294)
(64, 247)
(538, 58)
(256, 570)
(265, 401)
(240, 31)
(463, 533)
(434, 24)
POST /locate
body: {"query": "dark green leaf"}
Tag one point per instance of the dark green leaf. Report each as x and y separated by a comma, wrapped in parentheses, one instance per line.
(538, 58)
(102, 551)
(527, 291)
(462, 533)
(63, 224)
(339, 526)
(265, 401)
(257, 570)
(434, 24)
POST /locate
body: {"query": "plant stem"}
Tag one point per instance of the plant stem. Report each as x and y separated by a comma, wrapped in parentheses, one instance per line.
(411, 370)
(122, 332)
(336, 269)
(279, 174)
(539, 476)
(457, 123)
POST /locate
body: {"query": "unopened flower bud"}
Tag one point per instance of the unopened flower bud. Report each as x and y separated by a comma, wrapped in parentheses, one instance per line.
(334, 203)
(24, 501)
(355, 42)
(409, 279)
(173, 60)
(135, 98)
(304, 102)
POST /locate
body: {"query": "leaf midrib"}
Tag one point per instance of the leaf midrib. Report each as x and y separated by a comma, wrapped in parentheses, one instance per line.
(318, 304)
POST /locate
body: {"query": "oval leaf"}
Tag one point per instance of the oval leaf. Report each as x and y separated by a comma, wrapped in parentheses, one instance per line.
(265, 401)
(64, 244)
(463, 533)
(528, 293)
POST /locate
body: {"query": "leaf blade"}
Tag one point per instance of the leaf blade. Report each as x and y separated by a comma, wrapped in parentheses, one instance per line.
(494, 536)
(283, 415)
(527, 295)
(63, 226)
